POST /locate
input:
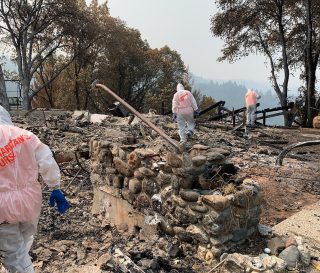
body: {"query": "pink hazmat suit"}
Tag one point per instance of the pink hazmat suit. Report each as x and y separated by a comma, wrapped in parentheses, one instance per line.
(22, 157)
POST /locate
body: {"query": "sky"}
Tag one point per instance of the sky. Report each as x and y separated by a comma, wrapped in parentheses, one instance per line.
(184, 25)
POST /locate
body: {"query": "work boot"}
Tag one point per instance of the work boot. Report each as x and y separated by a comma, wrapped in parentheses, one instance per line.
(182, 142)
(189, 134)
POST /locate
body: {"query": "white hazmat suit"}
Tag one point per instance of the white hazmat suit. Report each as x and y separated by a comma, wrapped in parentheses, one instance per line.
(22, 157)
(184, 105)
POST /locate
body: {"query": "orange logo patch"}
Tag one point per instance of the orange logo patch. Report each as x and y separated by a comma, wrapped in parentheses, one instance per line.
(7, 155)
(183, 97)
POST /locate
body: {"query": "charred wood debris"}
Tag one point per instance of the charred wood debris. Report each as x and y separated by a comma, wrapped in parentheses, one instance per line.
(81, 242)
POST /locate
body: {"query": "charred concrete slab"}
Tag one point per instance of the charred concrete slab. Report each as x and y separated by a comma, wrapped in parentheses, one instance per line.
(120, 212)
(305, 224)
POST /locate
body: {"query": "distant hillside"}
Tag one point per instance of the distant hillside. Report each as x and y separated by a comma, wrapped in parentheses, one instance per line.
(233, 94)
(229, 91)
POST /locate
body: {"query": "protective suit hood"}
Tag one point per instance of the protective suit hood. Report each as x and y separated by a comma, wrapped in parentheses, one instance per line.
(5, 118)
(180, 87)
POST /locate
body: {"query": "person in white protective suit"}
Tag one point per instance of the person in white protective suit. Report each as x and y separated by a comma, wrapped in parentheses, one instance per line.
(184, 109)
(22, 157)
(251, 105)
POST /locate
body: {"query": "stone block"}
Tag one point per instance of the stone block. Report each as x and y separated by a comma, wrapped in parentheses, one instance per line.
(163, 178)
(117, 181)
(150, 186)
(128, 195)
(166, 193)
(214, 157)
(142, 201)
(166, 227)
(199, 160)
(201, 253)
(189, 195)
(183, 235)
(134, 160)
(122, 167)
(64, 156)
(316, 122)
(198, 149)
(135, 185)
(199, 208)
(247, 198)
(291, 256)
(185, 216)
(179, 201)
(181, 172)
(146, 172)
(220, 240)
(224, 216)
(198, 235)
(276, 245)
(173, 160)
(210, 218)
(105, 156)
(217, 202)
(165, 168)
(145, 153)
(138, 175)
(195, 171)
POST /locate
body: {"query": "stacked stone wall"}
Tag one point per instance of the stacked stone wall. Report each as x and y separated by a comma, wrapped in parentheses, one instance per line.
(195, 196)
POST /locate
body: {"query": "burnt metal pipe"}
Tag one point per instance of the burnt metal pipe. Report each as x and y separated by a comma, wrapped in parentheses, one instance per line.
(137, 114)
(286, 150)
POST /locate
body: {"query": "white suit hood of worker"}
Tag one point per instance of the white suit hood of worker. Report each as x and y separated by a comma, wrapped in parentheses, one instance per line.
(5, 118)
(180, 87)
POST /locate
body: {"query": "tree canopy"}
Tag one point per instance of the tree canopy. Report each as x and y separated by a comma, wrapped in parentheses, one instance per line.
(61, 46)
(285, 31)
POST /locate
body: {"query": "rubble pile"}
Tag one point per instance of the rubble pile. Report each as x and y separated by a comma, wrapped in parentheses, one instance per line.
(194, 196)
(316, 122)
(138, 206)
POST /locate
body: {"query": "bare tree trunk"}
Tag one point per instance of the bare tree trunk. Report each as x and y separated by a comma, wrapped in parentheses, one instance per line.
(284, 95)
(26, 100)
(4, 101)
(281, 90)
(312, 62)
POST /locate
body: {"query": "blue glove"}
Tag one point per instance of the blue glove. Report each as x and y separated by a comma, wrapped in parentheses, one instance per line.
(174, 116)
(57, 196)
(196, 113)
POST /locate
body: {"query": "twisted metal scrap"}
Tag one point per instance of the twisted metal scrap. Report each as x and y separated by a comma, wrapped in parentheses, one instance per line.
(282, 155)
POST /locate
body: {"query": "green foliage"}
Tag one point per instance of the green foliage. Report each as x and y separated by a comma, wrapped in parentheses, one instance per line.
(205, 103)
(168, 71)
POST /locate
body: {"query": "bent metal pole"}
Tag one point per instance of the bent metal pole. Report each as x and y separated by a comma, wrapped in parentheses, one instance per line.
(137, 114)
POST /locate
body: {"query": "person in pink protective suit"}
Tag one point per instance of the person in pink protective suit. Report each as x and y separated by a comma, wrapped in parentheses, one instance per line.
(184, 108)
(22, 157)
(251, 104)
